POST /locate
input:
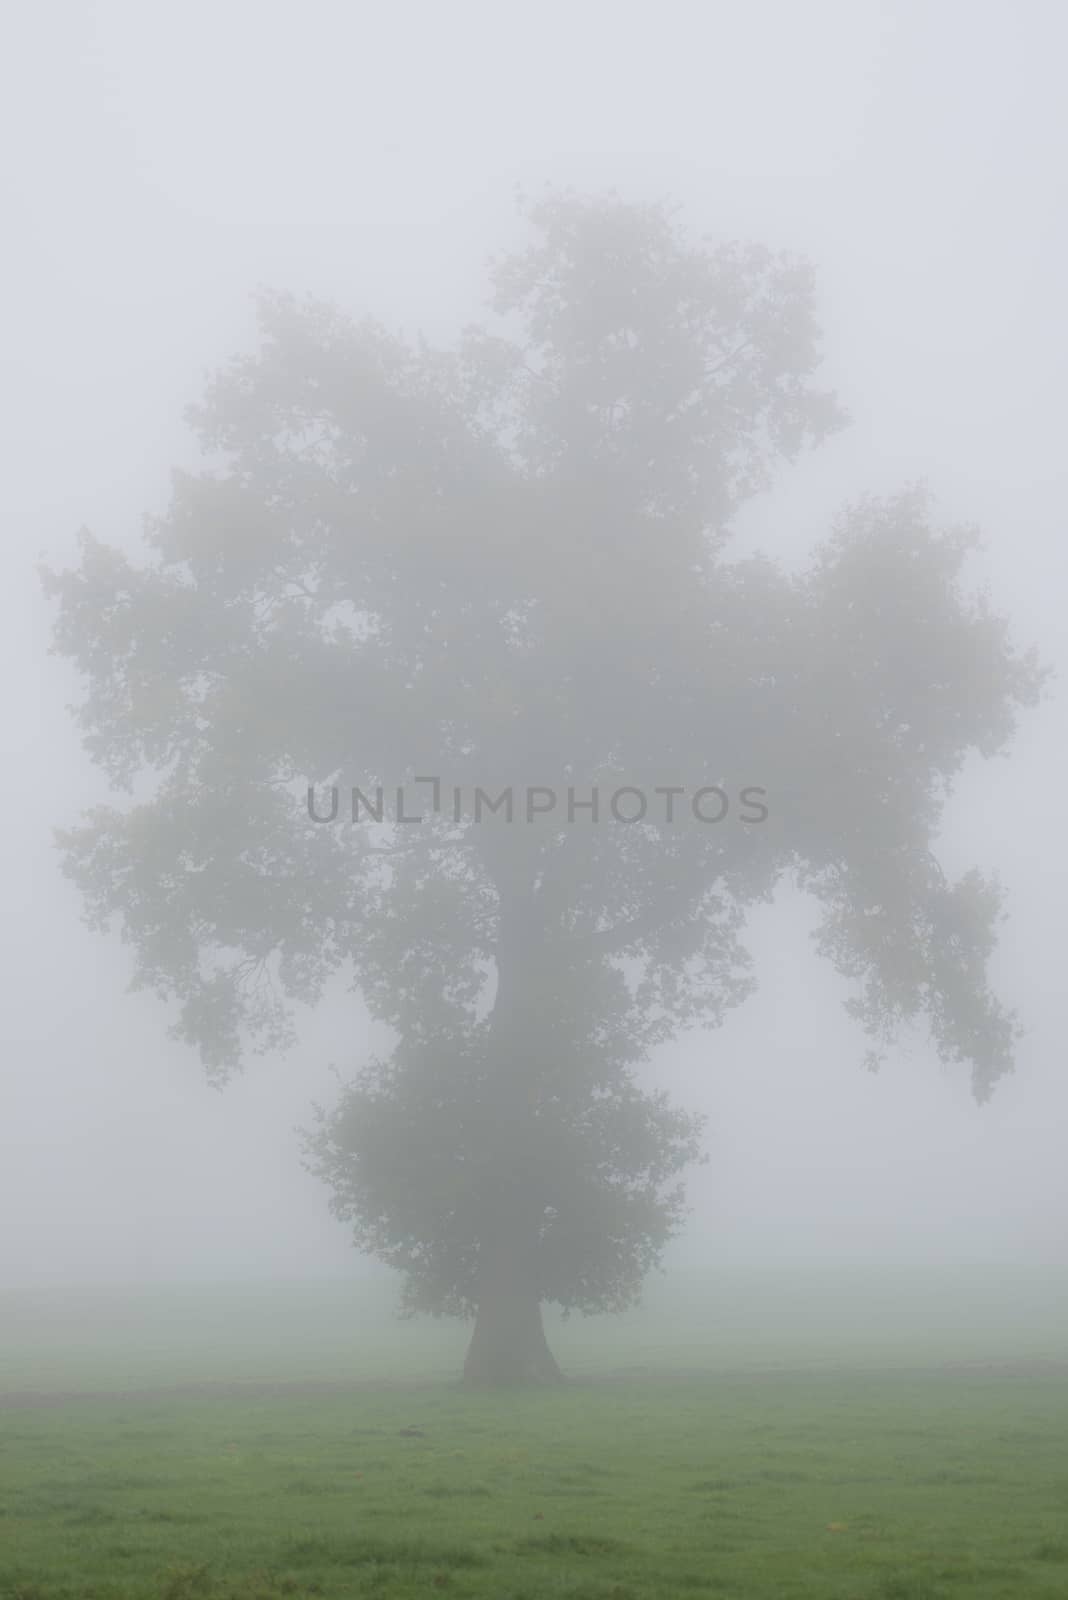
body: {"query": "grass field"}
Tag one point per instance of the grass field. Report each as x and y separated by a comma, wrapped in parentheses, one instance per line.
(831, 1454)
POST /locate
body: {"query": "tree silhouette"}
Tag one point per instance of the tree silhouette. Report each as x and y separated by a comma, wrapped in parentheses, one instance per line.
(504, 567)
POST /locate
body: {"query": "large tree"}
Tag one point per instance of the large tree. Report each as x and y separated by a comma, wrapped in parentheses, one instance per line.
(504, 566)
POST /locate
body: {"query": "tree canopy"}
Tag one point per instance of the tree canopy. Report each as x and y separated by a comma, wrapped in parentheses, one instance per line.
(505, 566)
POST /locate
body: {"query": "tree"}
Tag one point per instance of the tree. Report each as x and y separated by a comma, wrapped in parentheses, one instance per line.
(503, 567)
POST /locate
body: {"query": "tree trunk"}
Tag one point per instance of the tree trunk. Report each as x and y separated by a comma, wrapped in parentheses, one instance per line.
(509, 1343)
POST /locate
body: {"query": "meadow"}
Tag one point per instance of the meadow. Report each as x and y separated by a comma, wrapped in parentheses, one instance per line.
(883, 1437)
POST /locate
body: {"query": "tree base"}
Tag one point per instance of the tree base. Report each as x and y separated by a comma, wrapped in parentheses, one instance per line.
(508, 1346)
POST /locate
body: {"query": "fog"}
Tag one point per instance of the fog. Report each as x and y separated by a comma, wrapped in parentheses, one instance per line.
(161, 163)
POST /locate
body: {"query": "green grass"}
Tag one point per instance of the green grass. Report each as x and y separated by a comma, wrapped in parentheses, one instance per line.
(894, 1487)
(822, 1453)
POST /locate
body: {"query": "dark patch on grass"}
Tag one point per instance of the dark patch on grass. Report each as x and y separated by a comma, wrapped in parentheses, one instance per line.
(449, 1491)
(592, 1591)
(91, 1517)
(949, 1475)
(39, 1503)
(977, 1572)
(178, 1519)
(1051, 1550)
(122, 1482)
(576, 1544)
(839, 1480)
(345, 1552)
(907, 1586)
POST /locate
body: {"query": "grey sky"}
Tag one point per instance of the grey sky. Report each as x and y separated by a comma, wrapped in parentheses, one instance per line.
(161, 161)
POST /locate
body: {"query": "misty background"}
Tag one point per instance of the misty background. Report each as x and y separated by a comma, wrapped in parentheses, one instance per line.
(160, 163)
